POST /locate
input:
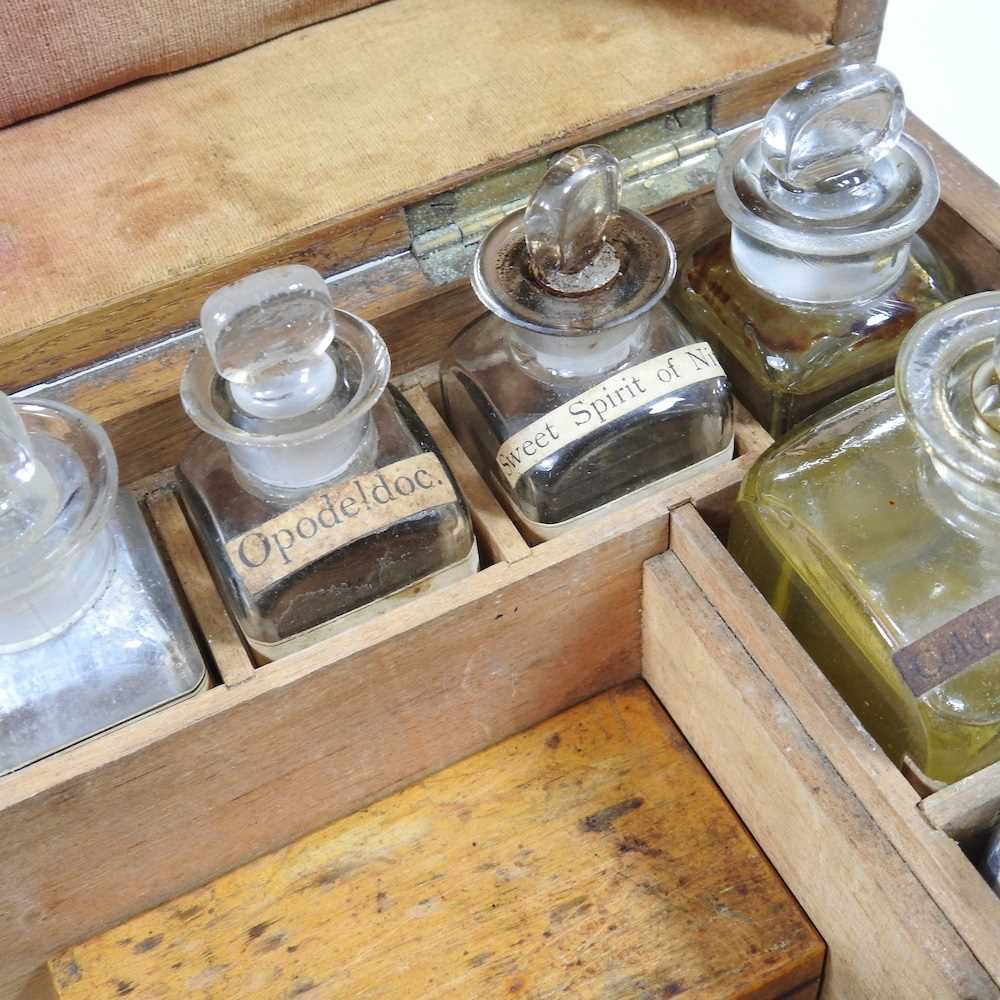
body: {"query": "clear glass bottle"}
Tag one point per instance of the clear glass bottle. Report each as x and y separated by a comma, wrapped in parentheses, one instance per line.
(809, 291)
(872, 530)
(318, 495)
(91, 632)
(581, 388)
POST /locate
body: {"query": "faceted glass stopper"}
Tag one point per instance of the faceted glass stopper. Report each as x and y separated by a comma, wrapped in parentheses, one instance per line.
(29, 498)
(268, 335)
(565, 220)
(834, 128)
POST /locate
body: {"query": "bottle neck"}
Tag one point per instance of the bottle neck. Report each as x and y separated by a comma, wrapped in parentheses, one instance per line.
(798, 279)
(40, 607)
(293, 468)
(579, 355)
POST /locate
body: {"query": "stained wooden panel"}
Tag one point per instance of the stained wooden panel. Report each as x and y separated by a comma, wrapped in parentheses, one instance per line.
(590, 856)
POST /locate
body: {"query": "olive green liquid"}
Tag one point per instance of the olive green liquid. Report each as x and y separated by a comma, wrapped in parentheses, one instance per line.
(787, 362)
(838, 529)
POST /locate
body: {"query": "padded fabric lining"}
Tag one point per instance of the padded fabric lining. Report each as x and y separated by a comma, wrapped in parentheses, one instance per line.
(55, 52)
(172, 175)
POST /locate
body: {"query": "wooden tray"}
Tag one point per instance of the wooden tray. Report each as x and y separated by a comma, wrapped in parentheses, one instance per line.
(134, 817)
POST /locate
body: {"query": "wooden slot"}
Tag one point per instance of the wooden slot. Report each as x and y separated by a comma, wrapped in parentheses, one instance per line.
(498, 537)
(751, 438)
(539, 866)
(203, 598)
(885, 935)
(968, 807)
(880, 788)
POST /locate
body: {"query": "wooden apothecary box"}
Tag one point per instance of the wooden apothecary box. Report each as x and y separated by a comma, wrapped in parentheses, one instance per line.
(383, 167)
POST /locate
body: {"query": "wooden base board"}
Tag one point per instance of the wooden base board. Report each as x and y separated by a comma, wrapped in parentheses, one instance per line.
(591, 855)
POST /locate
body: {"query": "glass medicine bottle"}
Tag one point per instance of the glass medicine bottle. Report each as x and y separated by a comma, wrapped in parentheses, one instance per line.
(91, 631)
(809, 291)
(580, 387)
(872, 530)
(318, 495)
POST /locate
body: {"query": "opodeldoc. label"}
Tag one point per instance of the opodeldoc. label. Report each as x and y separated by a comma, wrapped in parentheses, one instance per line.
(624, 392)
(336, 516)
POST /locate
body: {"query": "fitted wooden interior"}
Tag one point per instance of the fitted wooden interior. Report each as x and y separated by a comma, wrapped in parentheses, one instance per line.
(104, 831)
(109, 199)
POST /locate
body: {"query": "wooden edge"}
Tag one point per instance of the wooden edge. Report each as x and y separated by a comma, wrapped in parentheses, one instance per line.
(751, 437)
(497, 534)
(968, 807)
(857, 19)
(739, 104)
(936, 860)
(966, 189)
(199, 588)
(885, 935)
(629, 525)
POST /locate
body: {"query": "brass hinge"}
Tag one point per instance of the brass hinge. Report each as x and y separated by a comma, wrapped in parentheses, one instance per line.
(663, 158)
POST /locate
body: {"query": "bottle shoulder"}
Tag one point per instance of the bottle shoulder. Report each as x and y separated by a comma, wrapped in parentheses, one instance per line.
(851, 496)
(800, 349)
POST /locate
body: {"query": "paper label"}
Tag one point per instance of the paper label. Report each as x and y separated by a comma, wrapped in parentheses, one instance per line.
(947, 651)
(336, 516)
(610, 400)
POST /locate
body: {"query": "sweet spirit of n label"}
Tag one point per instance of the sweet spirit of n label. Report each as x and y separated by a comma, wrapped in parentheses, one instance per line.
(336, 516)
(623, 393)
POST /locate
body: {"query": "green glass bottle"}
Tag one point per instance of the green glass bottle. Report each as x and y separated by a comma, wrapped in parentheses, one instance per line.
(872, 530)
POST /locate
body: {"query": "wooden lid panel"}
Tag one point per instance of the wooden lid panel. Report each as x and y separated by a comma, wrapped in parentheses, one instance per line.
(161, 182)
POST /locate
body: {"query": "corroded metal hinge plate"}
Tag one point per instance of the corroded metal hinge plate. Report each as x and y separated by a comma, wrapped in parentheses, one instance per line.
(663, 159)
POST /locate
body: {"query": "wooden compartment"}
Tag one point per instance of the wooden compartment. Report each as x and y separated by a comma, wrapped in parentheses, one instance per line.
(134, 817)
(590, 856)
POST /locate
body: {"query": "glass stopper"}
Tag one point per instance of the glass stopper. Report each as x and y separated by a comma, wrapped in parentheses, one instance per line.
(29, 497)
(833, 128)
(268, 335)
(986, 390)
(565, 220)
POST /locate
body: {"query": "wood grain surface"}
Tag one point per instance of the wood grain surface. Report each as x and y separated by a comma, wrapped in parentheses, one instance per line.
(591, 856)
(968, 807)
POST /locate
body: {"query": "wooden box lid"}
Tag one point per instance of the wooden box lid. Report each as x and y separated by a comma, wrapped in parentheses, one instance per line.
(333, 144)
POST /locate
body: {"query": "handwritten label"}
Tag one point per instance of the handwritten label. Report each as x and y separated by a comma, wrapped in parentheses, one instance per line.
(336, 516)
(947, 651)
(616, 397)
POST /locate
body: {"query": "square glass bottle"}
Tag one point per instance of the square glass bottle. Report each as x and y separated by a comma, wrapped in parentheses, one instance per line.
(317, 494)
(809, 292)
(872, 530)
(580, 388)
(91, 632)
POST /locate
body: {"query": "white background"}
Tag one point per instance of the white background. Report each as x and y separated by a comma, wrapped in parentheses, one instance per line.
(947, 57)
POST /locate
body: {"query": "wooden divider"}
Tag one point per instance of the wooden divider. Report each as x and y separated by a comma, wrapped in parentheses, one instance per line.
(968, 807)
(880, 788)
(886, 937)
(199, 588)
(497, 535)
